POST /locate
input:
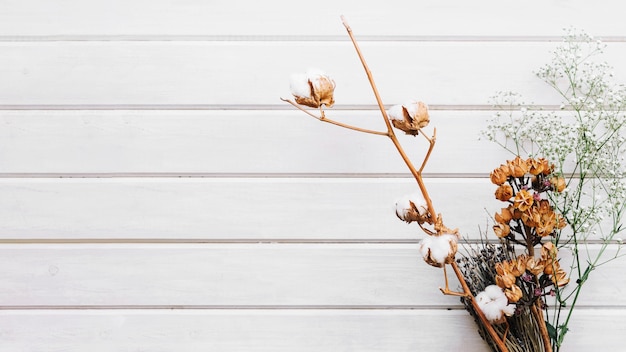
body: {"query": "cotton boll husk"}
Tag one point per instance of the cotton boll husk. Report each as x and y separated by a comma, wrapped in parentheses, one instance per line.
(411, 107)
(438, 250)
(404, 209)
(299, 85)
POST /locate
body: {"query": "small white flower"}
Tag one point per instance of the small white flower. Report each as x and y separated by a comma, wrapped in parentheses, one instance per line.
(494, 304)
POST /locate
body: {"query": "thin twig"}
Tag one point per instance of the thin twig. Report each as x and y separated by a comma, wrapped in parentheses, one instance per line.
(431, 142)
(341, 124)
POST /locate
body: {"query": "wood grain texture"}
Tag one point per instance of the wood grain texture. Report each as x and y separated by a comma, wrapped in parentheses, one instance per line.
(243, 275)
(284, 18)
(249, 73)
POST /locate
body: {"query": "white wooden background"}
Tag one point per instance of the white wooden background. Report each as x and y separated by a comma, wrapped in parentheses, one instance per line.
(156, 195)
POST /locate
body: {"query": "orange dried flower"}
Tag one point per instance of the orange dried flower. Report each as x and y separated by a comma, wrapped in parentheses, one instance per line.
(523, 200)
(534, 266)
(535, 166)
(560, 278)
(504, 192)
(504, 216)
(558, 184)
(518, 167)
(518, 266)
(547, 167)
(501, 230)
(504, 277)
(513, 293)
(499, 175)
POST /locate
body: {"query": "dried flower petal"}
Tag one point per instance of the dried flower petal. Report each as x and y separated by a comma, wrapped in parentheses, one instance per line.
(534, 266)
(560, 278)
(513, 293)
(523, 200)
(501, 230)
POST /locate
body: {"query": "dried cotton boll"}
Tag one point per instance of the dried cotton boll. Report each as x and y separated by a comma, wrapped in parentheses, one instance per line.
(439, 250)
(313, 88)
(494, 304)
(409, 117)
(412, 207)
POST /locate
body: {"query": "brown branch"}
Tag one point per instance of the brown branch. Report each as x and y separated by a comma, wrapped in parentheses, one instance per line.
(416, 174)
(494, 335)
(341, 124)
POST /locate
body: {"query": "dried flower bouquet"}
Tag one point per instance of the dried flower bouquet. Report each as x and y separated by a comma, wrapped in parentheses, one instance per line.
(507, 286)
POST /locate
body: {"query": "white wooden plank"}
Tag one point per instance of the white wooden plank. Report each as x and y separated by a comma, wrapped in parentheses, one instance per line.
(258, 72)
(243, 275)
(272, 331)
(231, 208)
(233, 142)
(450, 17)
(227, 330)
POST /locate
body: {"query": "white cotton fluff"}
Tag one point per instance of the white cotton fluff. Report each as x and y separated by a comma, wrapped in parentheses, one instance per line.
(299, 85)
(403, 205)
(494, 304)
(395, 113)
(438, 248)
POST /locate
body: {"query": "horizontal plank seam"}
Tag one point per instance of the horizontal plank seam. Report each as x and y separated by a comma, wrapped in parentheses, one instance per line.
(230, 307)
(260, 241)
(213, 175)
(257, 107)
(267, 307)
(292, 38)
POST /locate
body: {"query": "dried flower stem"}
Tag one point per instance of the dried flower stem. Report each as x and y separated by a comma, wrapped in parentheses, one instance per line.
(542, 327)
(418, 177)
(324, 119)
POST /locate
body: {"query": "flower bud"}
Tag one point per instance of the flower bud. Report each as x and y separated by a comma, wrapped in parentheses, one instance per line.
(409, 117)
(313, 89)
